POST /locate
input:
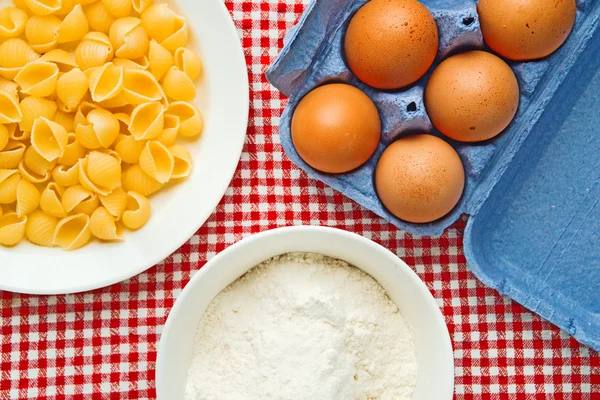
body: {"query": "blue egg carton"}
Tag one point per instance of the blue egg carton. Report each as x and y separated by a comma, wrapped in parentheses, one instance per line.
(532, 192)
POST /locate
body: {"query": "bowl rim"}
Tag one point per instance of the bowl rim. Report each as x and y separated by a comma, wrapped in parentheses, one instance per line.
(248, 241)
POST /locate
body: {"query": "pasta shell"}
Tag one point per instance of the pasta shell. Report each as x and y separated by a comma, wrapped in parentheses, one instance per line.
(72, 232)
(12, 22)
(118, 8)
(4, 136)
(82, 112)
(94, 50)
(170, 128)
(147, 121)
(51, 200)
(49, 139)
(15, 133)
(77, 199)
(115, 202)
(124, 120)
(9, 72)
(159, 21)
(40, 228)
(65, 7)
(74, 26)
(182, 162)
(140, 87)
(43, 7)
(126, 109)
(9, 109)
(12, 154)
(104, 171)
(12, 229)
(65, 120)
(188, 61)
(140, 5)
(138, 63)
(63, 60)
(36, 163)
(9, 179)
(1, 212)
(85, 180)
(12, 130)
(33, 107)
(88, 206)
(190, 118)
(178, 86)
(66, 176)
(137, 212)
(20, 4)
(106, 82)
(137, 180)
(165, 26)
(103, 225)
(99, 130)
(38, 78)
(160, 59)
(71, 88)
(15, 53)
(28, 198)
(129, 149)
(179, 37)
(42, 32)
(157, 161)
(9, 87)
(115, 102)
(32, 176)
(128, 37)
(73, 151)
(98, 17)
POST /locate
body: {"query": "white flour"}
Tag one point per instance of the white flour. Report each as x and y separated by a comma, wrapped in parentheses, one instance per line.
(303, 326)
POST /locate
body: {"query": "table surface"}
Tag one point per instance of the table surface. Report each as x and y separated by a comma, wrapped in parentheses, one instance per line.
(102, 344)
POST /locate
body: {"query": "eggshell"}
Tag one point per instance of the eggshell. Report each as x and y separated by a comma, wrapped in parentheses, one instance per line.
(419, 178)
(472, 96)
(391, 43)
(526, 29)
(336, 128)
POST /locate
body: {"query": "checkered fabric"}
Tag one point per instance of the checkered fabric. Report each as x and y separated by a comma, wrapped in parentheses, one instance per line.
(102, 344)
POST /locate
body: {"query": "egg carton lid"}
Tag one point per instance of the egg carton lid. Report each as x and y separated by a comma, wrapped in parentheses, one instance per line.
(536, 237)
(534, 228)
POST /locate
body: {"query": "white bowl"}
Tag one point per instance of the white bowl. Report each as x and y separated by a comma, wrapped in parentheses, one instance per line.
(417, 305)
(177, 212)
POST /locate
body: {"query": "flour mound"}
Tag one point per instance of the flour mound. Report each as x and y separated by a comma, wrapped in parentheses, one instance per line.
(303, 326)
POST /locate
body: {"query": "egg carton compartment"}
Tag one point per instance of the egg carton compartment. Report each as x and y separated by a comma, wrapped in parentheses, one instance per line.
(313, 55)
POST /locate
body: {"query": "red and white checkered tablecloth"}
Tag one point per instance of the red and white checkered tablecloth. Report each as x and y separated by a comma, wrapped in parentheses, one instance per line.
(102, 344)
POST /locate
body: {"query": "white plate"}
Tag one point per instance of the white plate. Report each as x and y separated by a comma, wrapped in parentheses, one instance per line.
(417, 305)
(177, 212)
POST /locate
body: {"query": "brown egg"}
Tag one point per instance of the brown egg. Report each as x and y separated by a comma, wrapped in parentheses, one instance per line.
(391, 43)
(526, 29)
(419, 178)
(472, 96)
(336, 128)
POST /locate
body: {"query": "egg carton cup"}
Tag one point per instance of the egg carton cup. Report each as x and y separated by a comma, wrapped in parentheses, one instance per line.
(509, 177)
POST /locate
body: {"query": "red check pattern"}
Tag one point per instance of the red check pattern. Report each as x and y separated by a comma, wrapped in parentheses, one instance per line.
(102, 344)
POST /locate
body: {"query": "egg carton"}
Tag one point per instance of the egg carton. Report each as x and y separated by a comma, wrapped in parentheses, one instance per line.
(529, 204)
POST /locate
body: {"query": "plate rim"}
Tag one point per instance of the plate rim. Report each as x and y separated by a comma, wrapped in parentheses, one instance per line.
(176, 244)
